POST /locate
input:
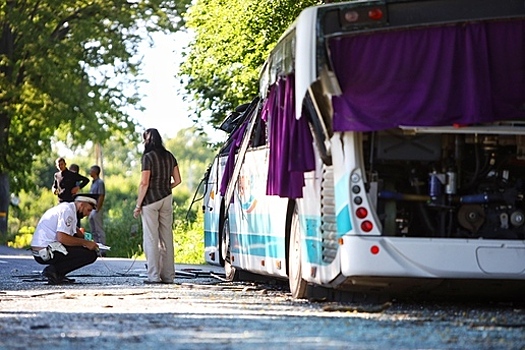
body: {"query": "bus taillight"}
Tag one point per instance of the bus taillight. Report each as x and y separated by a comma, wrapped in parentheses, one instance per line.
(361, 213)
(367, 226)
(374, 249)
(375, 14)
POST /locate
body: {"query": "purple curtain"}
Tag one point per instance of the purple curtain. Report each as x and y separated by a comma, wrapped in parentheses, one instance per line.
(291, 143)
(436, 76)
(237, 137)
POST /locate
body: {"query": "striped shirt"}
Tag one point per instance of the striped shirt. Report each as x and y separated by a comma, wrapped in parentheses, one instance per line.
(161, 165)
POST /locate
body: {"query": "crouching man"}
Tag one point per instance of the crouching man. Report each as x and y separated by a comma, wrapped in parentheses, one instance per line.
(58, 243)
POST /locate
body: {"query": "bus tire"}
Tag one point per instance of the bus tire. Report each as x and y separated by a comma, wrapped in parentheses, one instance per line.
(221, 228)
(230, 271)
(298, 286)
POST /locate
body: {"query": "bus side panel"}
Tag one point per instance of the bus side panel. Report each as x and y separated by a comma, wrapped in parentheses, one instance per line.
(320, 264)
(310, 223)
(212, 205)
(257, 221)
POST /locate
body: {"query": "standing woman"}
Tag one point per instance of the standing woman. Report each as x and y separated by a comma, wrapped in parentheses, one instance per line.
(160, 174)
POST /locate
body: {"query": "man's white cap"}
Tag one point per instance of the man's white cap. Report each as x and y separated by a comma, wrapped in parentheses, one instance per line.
(86, 199)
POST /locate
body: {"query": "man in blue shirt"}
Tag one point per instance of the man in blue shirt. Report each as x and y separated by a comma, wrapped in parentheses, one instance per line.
(96, 218)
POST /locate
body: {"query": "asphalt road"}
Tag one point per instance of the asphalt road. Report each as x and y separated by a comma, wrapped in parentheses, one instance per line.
(110, 307)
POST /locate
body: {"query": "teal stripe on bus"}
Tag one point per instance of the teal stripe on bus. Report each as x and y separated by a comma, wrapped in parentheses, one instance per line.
(344, 223)
(261, 224)
(312, 240)
(211, 239)
(258, 245)
(342, 195)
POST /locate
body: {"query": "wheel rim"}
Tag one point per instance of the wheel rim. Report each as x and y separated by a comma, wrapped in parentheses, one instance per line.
(225, 239)
(295, 250)
(297, 284)
(229, 270)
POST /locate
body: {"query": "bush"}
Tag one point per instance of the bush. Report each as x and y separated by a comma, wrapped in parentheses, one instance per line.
(123, 231)
(189, 241)
(23, 239)
(124, 236)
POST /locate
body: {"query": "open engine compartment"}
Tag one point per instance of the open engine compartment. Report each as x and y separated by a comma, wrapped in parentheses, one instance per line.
(453, 185)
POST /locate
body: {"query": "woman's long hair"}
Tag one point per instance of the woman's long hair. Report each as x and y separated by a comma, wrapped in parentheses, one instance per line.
(152, 141)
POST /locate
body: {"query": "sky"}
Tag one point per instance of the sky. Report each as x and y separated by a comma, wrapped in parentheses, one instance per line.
(163, 100)
(162, 94)
(165, 109)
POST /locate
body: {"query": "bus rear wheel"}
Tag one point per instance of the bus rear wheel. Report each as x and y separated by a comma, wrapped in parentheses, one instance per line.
(298, 286)
(229, 270)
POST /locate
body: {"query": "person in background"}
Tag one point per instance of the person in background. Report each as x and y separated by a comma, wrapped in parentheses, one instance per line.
(58, 243)
(74, 168)
(159, 175)
(66, 182)
(96, 218)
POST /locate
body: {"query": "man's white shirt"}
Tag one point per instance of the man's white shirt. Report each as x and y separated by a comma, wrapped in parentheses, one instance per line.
(61, 218)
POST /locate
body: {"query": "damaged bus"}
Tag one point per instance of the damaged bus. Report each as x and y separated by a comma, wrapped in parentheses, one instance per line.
(385, 153)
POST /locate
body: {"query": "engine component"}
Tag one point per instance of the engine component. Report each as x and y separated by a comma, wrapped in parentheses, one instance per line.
(471, 217)
(517, 218)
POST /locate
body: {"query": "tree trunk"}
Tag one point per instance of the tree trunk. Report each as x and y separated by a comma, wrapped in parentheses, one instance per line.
(4, 203)
(4, 175)
(6, 49)
(99, 158)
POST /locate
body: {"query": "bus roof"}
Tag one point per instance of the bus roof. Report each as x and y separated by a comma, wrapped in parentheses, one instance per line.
(304, 44)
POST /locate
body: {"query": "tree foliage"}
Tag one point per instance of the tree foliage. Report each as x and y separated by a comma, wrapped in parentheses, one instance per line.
(58, 63)
(232, 40)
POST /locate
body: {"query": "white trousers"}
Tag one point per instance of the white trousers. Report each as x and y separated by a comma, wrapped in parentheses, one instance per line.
(157, 222)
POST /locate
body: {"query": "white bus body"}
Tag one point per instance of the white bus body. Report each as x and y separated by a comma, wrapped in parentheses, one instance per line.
(415, 179)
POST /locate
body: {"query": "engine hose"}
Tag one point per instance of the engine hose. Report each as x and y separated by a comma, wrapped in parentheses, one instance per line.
(481, 198)
(422, 209)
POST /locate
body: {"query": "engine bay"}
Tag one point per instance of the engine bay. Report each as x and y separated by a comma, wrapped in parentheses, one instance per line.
(447, 185)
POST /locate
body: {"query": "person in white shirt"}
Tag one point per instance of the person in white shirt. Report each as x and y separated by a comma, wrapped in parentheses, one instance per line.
(60, 244)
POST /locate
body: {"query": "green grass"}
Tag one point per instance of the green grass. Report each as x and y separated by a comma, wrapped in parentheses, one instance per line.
(189, 242)
(124, 236)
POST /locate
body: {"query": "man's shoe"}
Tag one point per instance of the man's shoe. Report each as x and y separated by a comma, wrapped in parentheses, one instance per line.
(60, 280)
(52, 276)
(67, 280)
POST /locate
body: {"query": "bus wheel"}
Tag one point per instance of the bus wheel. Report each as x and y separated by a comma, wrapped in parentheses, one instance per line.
(229, 270)
(297, 283)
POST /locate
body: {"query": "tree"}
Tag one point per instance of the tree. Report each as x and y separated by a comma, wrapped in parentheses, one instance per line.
(193, 155)
(232, 40)
(58, 61)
